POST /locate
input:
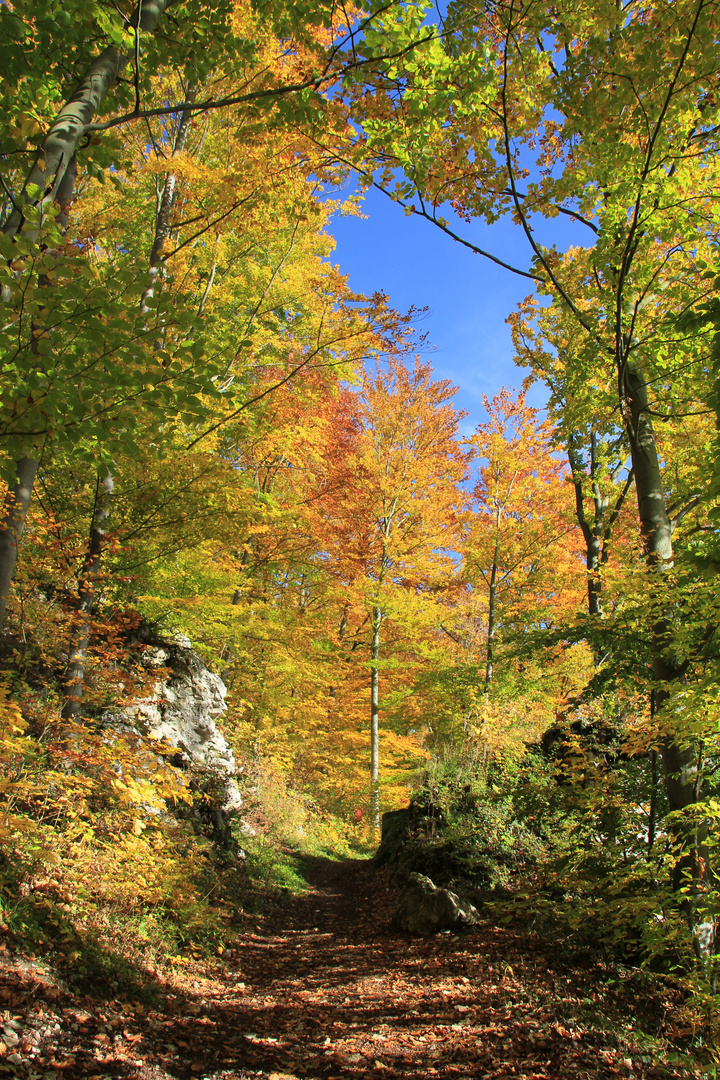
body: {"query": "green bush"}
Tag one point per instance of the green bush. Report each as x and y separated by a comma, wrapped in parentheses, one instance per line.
(560, 843)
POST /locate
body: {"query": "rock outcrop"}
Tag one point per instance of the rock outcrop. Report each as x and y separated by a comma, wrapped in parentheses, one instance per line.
(186, 700)
(423, 908)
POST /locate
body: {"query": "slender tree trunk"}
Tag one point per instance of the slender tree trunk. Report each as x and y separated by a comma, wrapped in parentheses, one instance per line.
(17, 501)
(597, 534)
(492, 610)
(375, 716)
(593, 555)
(591, 534)
(679, 757)
(80, 629)
(16, 508)
(652, 817)
(167, 201)
(653, 800)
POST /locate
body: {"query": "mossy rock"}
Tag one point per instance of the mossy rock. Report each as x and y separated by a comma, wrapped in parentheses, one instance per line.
(423, 908)
(395, 832)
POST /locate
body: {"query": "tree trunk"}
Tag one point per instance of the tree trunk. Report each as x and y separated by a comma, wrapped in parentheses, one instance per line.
(680, 761)
(591, 535)
(80, 628)
(18, 498)
(592, 563)
(597, 534)
(167, 201)
(492, 606)
(375, 716)
(66, 133)
(653, 801)
(16, 508)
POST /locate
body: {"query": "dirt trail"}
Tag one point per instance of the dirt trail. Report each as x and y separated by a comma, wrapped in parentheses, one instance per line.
(323, 987)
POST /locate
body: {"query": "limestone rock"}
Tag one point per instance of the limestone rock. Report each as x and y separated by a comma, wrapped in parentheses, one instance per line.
(423, 908)
(182, 711)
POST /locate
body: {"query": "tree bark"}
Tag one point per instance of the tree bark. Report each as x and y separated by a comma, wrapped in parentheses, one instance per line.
(591, 534)
(492, 607)
(680, 761)
(16, 508)
(375, 716)
(597, 534)
(18, 497)
(653, 801)
(74, 679)
(656, 528)
(65, 135)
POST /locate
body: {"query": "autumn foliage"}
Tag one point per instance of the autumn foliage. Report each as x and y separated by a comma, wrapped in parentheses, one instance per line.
(207, 433)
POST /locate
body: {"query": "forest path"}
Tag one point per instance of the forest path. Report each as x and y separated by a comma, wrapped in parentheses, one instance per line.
(322, 987)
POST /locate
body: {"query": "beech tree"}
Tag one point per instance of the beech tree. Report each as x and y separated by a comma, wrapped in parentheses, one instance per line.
(519, 551)
(66, 124)
(391, 516)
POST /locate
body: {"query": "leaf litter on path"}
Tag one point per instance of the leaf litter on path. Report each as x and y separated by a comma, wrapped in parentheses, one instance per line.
(325, 989)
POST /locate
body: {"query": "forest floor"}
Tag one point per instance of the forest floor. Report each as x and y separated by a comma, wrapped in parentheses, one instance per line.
(322, 987)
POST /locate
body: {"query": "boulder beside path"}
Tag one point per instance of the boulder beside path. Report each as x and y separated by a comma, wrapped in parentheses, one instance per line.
(424, 908)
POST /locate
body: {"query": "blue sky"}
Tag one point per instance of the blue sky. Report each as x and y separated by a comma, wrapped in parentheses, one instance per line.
(469, 298)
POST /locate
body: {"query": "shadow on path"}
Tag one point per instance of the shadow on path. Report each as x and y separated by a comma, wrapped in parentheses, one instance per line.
(325, 988)
(331, 990)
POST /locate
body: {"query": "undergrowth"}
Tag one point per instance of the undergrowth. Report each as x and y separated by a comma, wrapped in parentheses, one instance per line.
(556, 845)
(279, 828)
(111, 862)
